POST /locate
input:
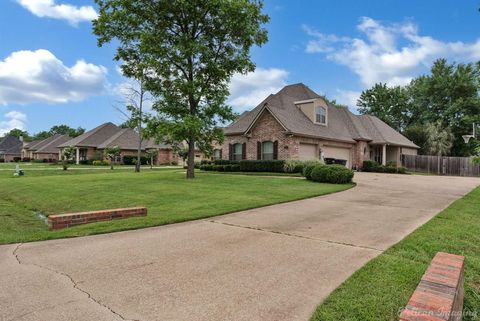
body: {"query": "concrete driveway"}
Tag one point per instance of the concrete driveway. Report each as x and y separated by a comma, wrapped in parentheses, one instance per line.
(273, 263)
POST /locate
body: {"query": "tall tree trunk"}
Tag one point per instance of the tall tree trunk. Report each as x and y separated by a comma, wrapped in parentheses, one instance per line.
(191, 158)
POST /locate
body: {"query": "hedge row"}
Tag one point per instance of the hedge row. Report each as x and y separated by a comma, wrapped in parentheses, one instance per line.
(334, 174)
(278, 166)
(391, 167)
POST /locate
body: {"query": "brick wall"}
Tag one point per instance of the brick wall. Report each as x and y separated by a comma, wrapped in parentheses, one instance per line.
(267, 128)
(66, 220)
(439, 296)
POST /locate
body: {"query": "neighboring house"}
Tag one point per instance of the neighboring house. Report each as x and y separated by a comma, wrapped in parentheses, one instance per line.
(91, 144)
(46, 149)
(10, 149)
(297, 123)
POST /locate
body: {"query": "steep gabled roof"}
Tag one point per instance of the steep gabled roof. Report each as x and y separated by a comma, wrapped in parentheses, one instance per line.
(41, 143)
(8, 142)
(342, 124)
(94, 137)
(51, 147)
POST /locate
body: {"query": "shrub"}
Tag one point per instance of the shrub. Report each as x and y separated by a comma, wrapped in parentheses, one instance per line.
(206, 167)
(293, 166)
(390, 169)
(307, 170)
(401, 170)
(225, 162)
(86, 162)
(392, 164)
(369, 165)
(335, 174)
(234, 168)
(197, 165)
(26, 159)
(262, 165)
(205, 162)
(132, 160)
(100, 163)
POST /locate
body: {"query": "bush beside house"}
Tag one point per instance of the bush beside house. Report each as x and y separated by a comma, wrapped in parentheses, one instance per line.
(275, 166)
(391, 167)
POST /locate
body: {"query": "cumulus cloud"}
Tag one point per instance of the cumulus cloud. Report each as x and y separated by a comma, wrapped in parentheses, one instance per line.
(38, 76)
(68, 12)
(347, 97)
(392, 53)
(13, 119)
(247, 91)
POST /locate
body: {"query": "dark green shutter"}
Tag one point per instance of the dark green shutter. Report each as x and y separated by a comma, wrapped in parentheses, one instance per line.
(259, 150)
(244, 151)
(275, 149)
(230, 151)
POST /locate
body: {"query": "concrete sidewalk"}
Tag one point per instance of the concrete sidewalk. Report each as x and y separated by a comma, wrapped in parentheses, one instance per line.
(272, 263)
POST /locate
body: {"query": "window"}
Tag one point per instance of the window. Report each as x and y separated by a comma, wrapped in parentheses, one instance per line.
(83, 154)
(267, 150)
(378, 153)
(217, 154)
(320, 115)
(237, 152)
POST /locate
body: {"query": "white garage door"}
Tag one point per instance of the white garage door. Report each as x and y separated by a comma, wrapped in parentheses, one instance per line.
(338, 153)
(307, 152)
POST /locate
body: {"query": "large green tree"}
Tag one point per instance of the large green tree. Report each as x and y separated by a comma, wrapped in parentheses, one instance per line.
(448, 97)
(188, 51)
(387, 103)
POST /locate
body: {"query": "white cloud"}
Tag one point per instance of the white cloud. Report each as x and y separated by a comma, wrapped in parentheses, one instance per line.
(68, 12)
(13, 119)
(348, 98)
(247, 91)
(38, 76)
(391, 53)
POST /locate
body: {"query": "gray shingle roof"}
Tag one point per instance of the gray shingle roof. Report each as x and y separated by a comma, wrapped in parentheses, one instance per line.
(94, 137)
(108, 135)
(10, 144)
(51, 147)
(342, 124)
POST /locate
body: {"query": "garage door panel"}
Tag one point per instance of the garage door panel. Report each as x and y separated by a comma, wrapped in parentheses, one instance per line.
(307, 152)
(338, 153)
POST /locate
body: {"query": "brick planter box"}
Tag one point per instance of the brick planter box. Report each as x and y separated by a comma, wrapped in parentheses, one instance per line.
(439, 296)
(59, 221)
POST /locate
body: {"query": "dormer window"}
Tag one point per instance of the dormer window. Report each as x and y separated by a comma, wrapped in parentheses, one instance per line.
(320, 115)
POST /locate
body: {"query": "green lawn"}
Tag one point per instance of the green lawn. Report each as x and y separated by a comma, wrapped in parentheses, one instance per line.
(168, 196)
(383, 286)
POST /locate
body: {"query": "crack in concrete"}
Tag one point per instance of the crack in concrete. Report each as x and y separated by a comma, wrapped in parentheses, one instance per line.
(74, 283)
(296, 235)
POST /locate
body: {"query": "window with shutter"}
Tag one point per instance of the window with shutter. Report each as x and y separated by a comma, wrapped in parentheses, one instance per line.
(267, 150)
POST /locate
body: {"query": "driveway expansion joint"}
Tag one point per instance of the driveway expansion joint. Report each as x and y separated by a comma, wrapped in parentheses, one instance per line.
(74, 283)
(297, 235)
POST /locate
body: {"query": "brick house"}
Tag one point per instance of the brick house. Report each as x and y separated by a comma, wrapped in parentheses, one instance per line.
(297, 123)
(10, 149)
(46, 149)
(91, 144)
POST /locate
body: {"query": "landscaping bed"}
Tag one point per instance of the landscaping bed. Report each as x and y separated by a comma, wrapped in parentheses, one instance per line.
(382, 288)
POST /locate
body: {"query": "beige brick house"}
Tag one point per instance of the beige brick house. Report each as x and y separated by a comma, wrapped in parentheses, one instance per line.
(91, 144)
(46, 149)
(297, 123)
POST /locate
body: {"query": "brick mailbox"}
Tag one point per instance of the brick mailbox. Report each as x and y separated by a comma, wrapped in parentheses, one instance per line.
(439, 296)
(59, 221)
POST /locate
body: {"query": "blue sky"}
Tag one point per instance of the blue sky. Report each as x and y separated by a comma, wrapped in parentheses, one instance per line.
(52, 72)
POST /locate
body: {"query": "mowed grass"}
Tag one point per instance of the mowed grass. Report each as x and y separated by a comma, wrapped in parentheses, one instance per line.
(168, 196)
(380, 289)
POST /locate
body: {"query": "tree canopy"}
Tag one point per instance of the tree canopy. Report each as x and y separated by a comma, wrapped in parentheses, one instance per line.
(447, 99)
(186, 52)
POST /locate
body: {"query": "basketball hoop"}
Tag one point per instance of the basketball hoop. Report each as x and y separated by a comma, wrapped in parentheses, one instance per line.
(466, 138)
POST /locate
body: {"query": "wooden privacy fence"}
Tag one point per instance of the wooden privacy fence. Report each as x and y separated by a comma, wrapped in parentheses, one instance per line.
(441, 165)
